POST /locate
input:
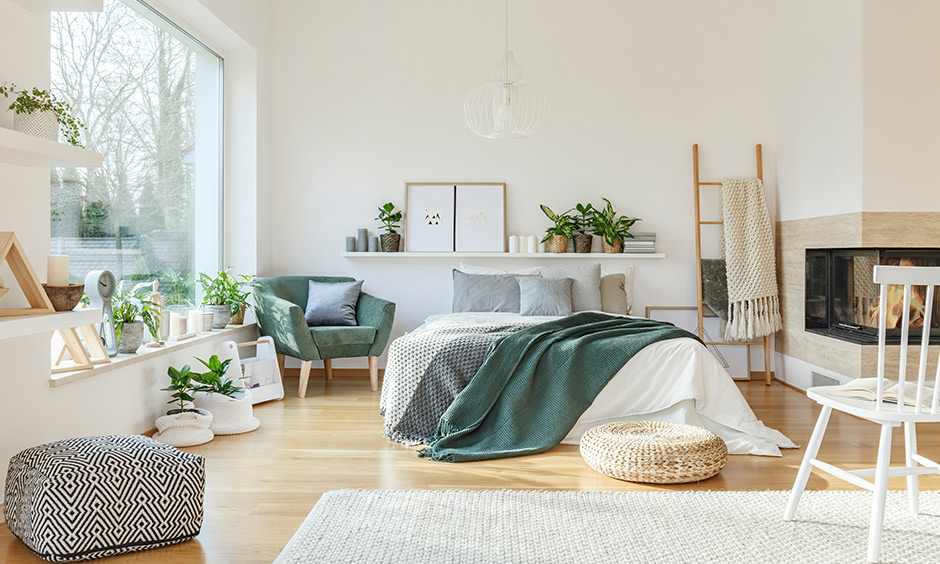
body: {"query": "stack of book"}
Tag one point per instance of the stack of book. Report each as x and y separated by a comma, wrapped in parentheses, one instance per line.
(641, 243)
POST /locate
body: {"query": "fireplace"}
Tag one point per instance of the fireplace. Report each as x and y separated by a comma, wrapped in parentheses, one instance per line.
(842, 301)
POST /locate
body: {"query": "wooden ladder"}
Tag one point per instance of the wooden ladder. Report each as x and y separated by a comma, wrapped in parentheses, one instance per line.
(700, 301)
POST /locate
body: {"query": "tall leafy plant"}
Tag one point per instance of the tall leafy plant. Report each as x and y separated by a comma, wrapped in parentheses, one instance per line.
(226, 289)
(564, 223)
(389, 218)
(610, 226)
(36, 100)
(584, 221)
(133, 305)
(181, 384)
(214, 379)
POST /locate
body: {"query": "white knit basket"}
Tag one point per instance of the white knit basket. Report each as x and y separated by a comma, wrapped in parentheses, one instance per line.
(189, 428)
(38, 124)
(230, 415)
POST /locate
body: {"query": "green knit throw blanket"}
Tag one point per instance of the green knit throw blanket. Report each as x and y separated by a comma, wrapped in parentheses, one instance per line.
(536, 383)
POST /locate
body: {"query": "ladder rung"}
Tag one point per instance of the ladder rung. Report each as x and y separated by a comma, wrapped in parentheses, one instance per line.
(711, 223)
(709, 183)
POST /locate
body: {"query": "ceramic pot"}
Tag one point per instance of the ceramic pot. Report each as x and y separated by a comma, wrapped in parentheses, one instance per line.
(38, 124)
(583, 243)
(238, 318)
(131, 337)
(557, 244)
(64, 298)
(182, 429)
(390, 242)
(617, 247)
(230, 415)
(221, 315)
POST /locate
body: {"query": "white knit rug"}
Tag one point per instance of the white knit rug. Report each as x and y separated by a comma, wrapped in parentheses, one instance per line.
(410, 527)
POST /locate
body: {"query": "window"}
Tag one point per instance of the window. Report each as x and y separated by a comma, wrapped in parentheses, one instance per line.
(150, 96)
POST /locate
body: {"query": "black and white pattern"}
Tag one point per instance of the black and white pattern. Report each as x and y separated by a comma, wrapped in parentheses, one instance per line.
(91, 497)
(426, 370)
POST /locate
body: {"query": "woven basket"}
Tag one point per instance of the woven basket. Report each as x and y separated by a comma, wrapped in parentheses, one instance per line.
(557, 244)
(583, 243)
(390, 242)
(617, 247)
(654, 452)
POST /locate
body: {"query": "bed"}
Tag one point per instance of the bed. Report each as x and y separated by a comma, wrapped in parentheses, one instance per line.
(676, 380)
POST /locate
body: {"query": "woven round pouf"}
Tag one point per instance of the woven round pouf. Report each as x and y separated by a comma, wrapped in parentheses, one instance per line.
(654, 452)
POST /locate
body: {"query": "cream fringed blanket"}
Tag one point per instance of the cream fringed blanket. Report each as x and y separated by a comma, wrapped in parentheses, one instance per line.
(753, 301)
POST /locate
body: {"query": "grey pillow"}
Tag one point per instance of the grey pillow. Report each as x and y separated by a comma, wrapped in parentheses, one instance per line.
(544, 296)
(586, 285)
(332, 303)
(485, 292)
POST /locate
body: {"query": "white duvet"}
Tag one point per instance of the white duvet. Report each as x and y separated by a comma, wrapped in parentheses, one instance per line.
(676, 380)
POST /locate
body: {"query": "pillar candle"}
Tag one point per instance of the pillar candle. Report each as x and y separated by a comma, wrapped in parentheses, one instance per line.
(57, 273)
(533, 246)
(207, 318)
(513, 243)
(362, 243)
(374, 245)
(350, 244)
(174, 325)
(194, 321)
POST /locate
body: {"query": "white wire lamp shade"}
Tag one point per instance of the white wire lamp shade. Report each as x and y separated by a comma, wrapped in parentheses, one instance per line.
(506, 107)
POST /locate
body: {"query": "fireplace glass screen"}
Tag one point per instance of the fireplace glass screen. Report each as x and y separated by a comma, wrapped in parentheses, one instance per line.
(843, 301)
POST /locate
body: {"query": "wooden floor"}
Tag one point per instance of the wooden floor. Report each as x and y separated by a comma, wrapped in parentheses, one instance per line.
(260, 486)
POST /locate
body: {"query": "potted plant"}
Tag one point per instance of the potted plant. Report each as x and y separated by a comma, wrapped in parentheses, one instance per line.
(132, 312)
(239, 288)
(389, 219)
(612, 229)
(216, 297)
(184, 426)
(558, 235)
(38, 112)
(583, 222)
(229, 403)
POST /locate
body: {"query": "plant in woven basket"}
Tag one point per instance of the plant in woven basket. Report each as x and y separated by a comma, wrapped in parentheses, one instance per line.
(389, 218)
(181, 384)
(214, 381)
(583, 223)
(36, 100)
(558, 235)
(612, 229)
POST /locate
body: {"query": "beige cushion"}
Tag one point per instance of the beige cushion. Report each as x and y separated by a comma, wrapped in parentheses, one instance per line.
(627, 271)
(613, 295)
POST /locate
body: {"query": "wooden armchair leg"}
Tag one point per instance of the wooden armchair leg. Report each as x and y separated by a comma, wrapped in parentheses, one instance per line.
(304, 377)
(328, 368)
(280, 365)
(374, 372)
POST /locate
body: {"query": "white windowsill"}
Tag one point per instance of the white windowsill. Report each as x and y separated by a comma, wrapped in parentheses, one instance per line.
(147, 353)
(592, 256)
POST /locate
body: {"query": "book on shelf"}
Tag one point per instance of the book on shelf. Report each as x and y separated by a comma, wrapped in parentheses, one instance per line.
(639, 251)
(632, 243)
(643, 236)
(867, 389)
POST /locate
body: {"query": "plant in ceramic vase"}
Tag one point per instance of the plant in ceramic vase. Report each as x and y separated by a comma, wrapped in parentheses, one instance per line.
(38, 112)
(389, 219)
(216, 294)
(132, 312)
(239, 288)
(559, 234)
(229, 403)
(184, 426)
(612, 229)
(583, 223)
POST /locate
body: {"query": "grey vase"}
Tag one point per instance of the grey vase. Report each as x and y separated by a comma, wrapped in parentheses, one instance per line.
(132, 336)
(221, 315)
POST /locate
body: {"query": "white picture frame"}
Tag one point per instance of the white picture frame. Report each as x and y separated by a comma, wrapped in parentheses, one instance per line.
(480, 217)
(429, 216)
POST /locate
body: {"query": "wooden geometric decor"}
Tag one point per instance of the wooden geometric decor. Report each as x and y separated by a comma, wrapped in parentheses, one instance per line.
(12, 252)
(84, 345)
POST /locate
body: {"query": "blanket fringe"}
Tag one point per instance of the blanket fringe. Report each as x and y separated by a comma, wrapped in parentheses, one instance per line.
(753, 319)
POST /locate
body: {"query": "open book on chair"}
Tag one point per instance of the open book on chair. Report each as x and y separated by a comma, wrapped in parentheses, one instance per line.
(867, 389)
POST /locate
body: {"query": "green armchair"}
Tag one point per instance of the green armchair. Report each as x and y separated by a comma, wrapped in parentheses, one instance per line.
(280, 302)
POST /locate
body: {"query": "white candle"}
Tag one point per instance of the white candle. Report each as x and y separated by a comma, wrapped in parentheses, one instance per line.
(207, 318)
(194, 321)
(57, 270)
(533, 244)
(513, 243)
(174, 325)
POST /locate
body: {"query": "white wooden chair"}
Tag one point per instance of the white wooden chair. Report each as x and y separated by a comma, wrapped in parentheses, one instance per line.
(888, 415)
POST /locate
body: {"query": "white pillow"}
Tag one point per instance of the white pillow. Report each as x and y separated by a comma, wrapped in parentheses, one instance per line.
(586, 288)
(627, 272)
(474, 269)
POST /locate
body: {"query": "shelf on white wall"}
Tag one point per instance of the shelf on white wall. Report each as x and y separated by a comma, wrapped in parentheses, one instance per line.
(28, 150)
(592, 256)
(11, 327)
(61, 5)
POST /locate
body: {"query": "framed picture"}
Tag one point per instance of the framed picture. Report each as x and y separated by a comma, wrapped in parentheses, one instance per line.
(480, 216)
(429, 216)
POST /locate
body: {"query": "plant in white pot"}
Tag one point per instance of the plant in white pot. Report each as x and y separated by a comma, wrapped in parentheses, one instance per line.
(132, 312)
(39, 113)
(229, 403)
(185, 426)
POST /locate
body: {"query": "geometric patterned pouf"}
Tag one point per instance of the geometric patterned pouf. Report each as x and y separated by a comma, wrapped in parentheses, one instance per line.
(91, 497)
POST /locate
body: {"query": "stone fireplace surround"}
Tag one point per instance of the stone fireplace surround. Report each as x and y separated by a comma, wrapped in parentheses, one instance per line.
(860, 229)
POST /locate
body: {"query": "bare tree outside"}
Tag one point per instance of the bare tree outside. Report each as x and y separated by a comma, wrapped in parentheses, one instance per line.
(133, 85)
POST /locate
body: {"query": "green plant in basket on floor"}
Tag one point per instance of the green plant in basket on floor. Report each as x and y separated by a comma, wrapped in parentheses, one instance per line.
(612, 229)
(214, 380)
(181, 384)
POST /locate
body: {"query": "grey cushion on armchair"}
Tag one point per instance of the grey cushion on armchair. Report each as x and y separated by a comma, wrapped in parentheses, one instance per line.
(280, 302)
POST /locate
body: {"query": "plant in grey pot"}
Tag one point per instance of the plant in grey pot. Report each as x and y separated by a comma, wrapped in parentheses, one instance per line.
(184, 426)
(132, 312)
(38, 112)
(583, 222)
(389, 219)
(216, 297)
(229, 403)
(558, 235)
(612, 229)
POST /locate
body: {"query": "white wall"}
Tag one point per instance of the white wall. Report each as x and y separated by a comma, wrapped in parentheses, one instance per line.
(369, 95)
(819, 108)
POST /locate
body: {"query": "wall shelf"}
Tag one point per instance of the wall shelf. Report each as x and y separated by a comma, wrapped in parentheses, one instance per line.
(61, 5)
(27, 150)
(11, 327)
(539, 256)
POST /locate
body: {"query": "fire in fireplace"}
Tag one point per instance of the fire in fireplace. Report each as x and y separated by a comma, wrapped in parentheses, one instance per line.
(842, 301)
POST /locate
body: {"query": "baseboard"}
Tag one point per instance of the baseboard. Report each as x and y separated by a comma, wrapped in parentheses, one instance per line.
(338, 373)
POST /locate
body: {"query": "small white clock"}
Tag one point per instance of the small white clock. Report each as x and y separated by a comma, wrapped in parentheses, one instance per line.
(100, 286)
